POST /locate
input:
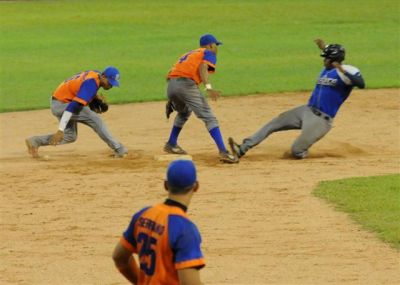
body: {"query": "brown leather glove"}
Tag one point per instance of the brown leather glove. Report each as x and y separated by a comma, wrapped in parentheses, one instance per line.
(98, 104)
(169, 108)
(213, 94)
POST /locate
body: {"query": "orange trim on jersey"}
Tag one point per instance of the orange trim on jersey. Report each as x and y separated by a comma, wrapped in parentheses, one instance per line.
(79, 100)
(190, 263)
(209, 63)
(126, 244)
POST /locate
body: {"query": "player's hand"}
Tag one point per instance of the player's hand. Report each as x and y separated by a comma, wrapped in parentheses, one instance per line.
(213, 94)
(57, 138)
(337, 65)
(320, 43)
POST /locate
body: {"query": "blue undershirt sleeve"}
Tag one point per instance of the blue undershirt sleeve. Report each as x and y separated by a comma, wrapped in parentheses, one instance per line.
(74, 107)
(211, 58)
(88, 90)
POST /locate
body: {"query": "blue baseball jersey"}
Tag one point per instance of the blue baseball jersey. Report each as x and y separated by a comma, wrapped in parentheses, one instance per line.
(332, 89)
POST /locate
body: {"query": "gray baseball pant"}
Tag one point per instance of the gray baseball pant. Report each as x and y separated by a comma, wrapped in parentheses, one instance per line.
(313, 128)
(186, 97)
(85, 116)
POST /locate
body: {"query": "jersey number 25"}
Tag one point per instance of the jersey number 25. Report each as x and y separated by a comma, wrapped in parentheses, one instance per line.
(147, 254)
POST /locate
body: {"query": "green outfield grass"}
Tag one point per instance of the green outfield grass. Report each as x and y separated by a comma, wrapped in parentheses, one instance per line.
(374, 202)
(268, 45)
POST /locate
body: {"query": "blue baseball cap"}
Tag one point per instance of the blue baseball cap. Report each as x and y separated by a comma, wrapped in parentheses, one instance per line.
(112, 75)
(209, 39)
(181, 174)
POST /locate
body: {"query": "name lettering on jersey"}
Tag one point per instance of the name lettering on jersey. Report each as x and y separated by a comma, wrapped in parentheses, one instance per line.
(151, 225)
(327, 81)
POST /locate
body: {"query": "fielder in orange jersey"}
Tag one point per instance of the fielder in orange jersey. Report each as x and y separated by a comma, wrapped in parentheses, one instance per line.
(69, 103)
(166, 242)
(185, 97)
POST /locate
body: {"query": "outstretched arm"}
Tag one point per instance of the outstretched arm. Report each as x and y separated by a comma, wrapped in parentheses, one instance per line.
(320, 43)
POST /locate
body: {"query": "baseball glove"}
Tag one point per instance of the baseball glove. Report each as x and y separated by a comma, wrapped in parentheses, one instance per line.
(98, 104)
(169, 108)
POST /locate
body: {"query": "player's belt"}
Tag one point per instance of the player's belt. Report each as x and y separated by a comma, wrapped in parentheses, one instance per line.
(56, 99)
(320, 114)
(180, 79)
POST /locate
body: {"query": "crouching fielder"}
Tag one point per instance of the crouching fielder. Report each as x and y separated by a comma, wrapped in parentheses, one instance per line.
(71, 104)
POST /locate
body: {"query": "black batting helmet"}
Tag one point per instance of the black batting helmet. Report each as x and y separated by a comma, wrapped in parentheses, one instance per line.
(334, 52)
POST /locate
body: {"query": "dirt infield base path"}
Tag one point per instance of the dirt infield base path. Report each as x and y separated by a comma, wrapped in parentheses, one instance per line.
(61, 217)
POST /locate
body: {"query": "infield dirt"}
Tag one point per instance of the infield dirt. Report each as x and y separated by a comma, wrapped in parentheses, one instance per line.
(61, 217)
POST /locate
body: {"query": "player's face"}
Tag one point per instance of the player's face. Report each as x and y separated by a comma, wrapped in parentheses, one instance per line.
(327, 62)
(214, 48)
(105, 83)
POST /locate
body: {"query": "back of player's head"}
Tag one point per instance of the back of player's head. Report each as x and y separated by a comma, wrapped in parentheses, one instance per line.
(335, 52)
(181, 176)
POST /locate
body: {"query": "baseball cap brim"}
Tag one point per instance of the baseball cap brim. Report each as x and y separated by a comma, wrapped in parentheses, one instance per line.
(113, 82)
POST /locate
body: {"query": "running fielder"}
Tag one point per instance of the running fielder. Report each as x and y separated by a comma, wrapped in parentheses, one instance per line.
(76, 101)
(333, 87)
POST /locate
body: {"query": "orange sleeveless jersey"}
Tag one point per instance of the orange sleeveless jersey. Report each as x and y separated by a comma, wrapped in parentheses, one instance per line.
(188, 65)
(67, 90)
(165, 240)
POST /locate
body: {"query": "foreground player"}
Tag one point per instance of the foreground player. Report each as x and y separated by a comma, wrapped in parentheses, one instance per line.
(184, 95)
(334, 85)
(69, 104)
(166, 241)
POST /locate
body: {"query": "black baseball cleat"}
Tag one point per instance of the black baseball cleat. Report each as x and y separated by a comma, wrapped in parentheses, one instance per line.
(174, 149)
(235, 148)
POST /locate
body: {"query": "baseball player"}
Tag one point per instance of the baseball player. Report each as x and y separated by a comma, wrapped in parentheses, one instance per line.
(184, 95)
(166, 241)
(70, 104)
(333, 87)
